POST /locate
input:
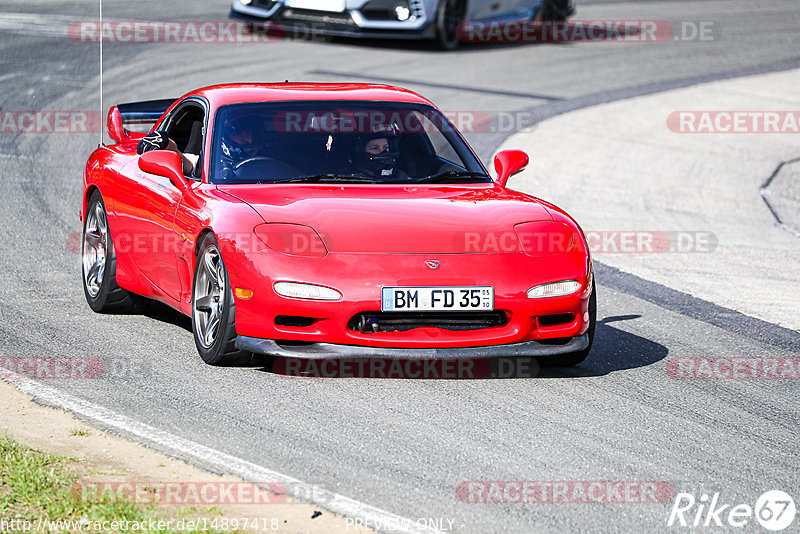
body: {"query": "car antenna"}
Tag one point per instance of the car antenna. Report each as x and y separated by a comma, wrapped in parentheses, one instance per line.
(101, 74)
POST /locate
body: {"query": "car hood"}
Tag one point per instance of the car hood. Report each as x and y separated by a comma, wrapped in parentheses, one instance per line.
(399, 219)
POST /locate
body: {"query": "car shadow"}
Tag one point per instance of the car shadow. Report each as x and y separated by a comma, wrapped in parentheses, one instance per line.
(163, 313)
(489, 37)
(426, 46)
(613, 350)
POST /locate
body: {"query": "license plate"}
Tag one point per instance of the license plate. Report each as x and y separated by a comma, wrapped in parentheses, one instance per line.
(437, 298)
(317, 5)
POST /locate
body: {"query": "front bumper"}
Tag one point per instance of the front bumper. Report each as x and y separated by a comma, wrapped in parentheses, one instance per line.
(359, 277)
(329, 350)
(303, 23)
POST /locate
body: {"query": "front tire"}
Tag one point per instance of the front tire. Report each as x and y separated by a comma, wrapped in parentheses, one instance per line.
(555, 10)
(574, 358)
(449, 16)
(99, 264)
(213, 308)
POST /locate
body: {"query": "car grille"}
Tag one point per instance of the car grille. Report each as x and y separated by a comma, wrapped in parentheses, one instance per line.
(317, 17)
(369, 322)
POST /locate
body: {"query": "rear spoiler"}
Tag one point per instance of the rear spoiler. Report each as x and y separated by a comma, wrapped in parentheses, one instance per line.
(145, 112)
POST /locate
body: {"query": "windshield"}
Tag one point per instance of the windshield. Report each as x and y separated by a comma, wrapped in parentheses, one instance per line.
(355, 142)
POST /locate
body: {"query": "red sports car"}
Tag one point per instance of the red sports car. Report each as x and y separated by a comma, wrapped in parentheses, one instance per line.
(329, 220)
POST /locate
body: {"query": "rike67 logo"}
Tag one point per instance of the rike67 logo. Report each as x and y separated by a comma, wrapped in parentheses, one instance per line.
(774, 510)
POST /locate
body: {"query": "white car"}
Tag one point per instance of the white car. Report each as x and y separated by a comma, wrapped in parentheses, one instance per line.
(410, 19)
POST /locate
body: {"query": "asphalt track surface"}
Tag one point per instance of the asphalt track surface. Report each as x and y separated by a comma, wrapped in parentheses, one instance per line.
(405, 445)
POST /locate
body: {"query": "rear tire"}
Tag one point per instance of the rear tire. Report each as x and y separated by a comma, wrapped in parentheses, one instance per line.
(574, 358)
(213, 308)
(99, 264)
(449, 16)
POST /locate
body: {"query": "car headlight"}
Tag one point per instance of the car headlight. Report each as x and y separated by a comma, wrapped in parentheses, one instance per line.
(292, 239)
(544, 238)
(298, 290)
(554, 289)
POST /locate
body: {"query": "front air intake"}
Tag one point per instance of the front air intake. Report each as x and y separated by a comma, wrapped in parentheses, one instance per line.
(556, 319)
(369, 322)
(294, 320)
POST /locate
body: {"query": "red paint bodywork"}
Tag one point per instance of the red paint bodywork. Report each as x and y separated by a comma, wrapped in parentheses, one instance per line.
(375, 235)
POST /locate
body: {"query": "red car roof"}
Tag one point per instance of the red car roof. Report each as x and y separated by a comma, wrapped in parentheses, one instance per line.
(220, 95)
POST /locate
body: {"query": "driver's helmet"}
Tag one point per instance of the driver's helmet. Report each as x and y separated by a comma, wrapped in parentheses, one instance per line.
(367, 158)
(239, 137)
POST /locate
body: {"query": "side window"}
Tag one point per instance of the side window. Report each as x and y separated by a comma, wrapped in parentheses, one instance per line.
(185, 127)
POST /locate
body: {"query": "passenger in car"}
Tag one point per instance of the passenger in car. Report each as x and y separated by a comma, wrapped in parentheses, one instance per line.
(376, 154)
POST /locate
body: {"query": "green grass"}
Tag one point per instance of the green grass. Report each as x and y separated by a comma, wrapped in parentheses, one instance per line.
(35, 485)
(80, 432)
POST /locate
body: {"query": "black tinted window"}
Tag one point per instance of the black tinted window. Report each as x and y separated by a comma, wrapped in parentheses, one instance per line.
(364, 141)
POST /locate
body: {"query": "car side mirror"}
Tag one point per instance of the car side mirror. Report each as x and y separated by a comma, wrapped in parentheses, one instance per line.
(508, 163)
(116, 131)
(166, 163)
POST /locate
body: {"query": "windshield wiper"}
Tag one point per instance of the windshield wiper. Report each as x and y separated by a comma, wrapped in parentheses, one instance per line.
(324, 178)
(452, 175)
